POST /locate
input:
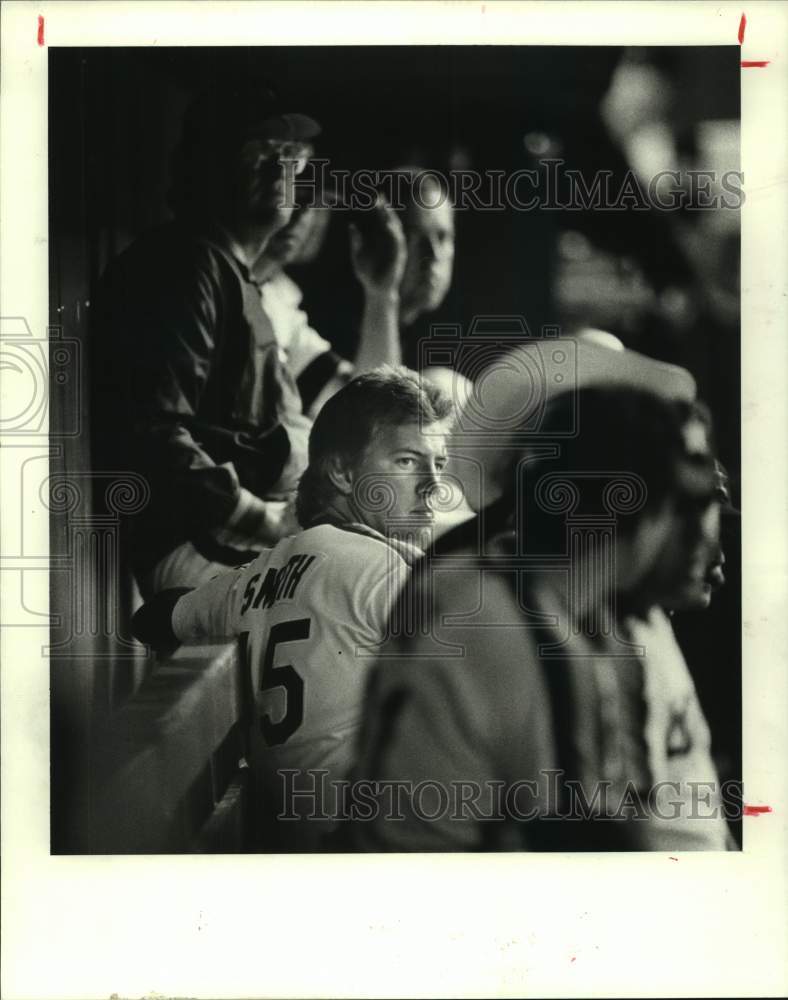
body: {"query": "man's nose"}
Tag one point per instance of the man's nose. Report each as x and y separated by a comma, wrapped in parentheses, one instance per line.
(429, 481)
(716, 555)
(430, 252)
(279, 168)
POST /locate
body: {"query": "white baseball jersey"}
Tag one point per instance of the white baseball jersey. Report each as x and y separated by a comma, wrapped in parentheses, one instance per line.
(306, 355)
(310, 614)
(299, 343)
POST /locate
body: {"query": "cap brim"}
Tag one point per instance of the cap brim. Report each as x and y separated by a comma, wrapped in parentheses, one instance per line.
(290, 127)
(491, 427)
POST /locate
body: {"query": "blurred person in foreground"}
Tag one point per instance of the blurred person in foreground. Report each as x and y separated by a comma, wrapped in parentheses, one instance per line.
(311, 612)
(707, 623)
(189, 388)
(706, 618)
(541, 702)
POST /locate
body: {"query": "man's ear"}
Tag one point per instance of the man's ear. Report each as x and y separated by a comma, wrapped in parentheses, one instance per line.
(341, 476)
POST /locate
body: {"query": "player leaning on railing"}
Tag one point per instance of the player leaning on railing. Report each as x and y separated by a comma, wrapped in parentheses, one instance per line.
(312, 612)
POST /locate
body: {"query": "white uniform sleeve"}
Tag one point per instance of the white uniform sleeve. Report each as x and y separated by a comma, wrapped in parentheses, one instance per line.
(211, 611)
(301, 343)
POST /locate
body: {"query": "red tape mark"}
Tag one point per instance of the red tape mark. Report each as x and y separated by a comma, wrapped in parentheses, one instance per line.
(749, 63)
(756, 810)
(40, 30)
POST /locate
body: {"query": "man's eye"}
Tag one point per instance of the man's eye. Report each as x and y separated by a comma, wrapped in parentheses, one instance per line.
(405, 463)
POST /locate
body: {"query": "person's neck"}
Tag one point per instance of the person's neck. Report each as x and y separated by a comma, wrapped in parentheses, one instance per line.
(265, 268)
(341, 511)
(248, 240)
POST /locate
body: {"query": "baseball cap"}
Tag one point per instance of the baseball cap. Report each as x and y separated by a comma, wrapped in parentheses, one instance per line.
(599, 363)
(232, 115)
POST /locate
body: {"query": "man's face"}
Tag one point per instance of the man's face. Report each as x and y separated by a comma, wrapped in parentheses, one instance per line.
(265, 179)
(699, 569)
(673, 555)
(299, 240)
(397, 475)
(429, 234)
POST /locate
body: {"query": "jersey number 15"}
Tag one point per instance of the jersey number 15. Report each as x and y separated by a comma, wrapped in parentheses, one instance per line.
(282, 676)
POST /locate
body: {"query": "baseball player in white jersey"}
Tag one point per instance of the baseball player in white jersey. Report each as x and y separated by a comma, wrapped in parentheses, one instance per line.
(311, 613)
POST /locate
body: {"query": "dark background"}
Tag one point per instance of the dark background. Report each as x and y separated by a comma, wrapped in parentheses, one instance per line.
(114, 118)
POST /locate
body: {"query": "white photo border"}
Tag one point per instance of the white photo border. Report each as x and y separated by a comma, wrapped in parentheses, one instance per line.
(513, 925)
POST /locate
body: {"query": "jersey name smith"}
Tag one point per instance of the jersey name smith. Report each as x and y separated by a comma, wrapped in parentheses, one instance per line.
(278, 584)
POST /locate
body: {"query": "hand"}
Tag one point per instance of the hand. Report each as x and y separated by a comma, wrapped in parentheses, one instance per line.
(282, 519)
(152, 623)
(378, 250)
(258, 523)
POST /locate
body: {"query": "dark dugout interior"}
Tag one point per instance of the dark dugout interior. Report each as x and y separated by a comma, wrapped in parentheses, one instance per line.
(114, 116)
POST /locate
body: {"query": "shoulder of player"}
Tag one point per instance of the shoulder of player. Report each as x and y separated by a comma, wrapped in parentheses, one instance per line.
(336, 568)
(175, 262)
(471, 672)
(474, 608)
(461, 569)
(366, 554)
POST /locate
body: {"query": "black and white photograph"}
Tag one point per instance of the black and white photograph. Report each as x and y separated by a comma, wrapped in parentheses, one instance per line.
(394, 482)
(280, 304)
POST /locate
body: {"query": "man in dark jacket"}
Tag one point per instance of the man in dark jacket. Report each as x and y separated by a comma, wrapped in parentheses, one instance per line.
(189, 387)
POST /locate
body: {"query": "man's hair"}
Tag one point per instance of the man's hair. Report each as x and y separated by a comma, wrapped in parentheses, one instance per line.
(415, 186)
(348, 422)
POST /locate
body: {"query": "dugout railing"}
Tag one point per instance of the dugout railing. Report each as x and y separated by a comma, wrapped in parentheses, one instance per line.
(168, 774)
